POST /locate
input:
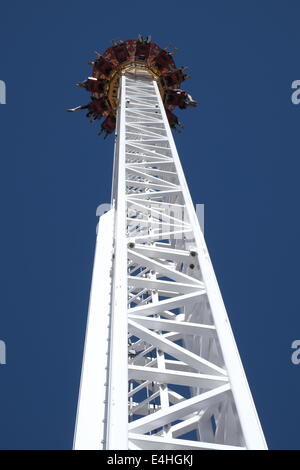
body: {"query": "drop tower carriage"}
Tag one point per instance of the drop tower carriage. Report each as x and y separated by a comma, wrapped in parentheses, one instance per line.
(161, 369)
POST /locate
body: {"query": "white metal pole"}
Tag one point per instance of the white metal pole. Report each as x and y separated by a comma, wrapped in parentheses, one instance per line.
(91, 410)
(117, 416)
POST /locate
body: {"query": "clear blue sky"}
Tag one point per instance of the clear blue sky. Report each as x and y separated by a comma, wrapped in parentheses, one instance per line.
(240, 152)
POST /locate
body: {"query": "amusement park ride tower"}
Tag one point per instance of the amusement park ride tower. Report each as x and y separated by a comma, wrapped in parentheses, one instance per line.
(161, 369)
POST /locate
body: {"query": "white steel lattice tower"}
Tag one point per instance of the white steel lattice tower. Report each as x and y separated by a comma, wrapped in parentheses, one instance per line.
(161, 369)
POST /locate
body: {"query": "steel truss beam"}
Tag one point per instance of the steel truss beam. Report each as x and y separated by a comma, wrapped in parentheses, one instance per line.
(173, 344)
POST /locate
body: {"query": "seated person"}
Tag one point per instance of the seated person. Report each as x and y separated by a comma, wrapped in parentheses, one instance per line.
(93, 85)
(173, 120)
(121, 52)
(97, 107)
(142, 51)
(174, 77)
(108, 126)
(180, 98)
(102, 66)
